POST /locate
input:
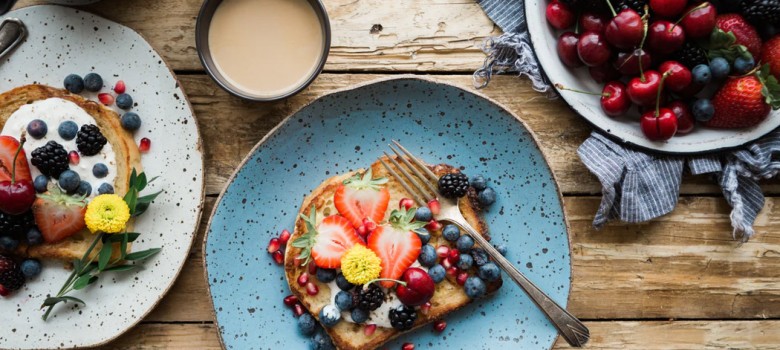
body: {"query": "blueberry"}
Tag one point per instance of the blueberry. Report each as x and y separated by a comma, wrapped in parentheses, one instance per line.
(427, 256)
(720, 67)
(743, 65)
(343, 284)
(37, 129)
(326, 275)
(124, 101)
(344, 300)
(702, 74)
(359, 315)
(437, 273)
(478, 182)
(423, 214)
(501, 248)
(306, 324)
(8, 243)
(41, 183)
(487, 197)
(68, 130)
(330, 315)
(451, 232)
(69, 181)
(85, 189)
(465, 261)
(131, 121)
(480, 256)
(105, 189)
(74, 83)
(93, 82)
(475, 287)
(424, 235)
(489, 272)
(702, 110)
(100, 170)
(31, 268)
(34, 236)
(321, 341)
(465, 243)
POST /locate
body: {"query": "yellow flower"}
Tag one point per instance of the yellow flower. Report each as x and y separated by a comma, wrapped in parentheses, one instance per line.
(360, 265)
(107, 213)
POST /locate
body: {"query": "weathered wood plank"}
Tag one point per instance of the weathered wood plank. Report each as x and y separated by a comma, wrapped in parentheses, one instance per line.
(408, 35)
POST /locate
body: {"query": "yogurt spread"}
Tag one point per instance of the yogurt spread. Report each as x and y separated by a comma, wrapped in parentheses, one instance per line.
(54, 111)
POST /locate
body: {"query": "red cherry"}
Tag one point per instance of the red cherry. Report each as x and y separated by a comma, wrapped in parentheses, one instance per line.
(699, 21)
(685, 122)
(604, 73)
(659, 125)
(679, 76)
(16, 196)
(405, 203)
(593, 22)
(626, 30)
(559, 15)
(614, 99)
(629, 63)
(665, 37)
(417, 289)
(668, 8)
(644, 92)
(593, 49)
(567, 49)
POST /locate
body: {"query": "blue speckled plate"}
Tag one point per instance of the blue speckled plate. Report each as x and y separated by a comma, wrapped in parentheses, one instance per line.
(348, 130)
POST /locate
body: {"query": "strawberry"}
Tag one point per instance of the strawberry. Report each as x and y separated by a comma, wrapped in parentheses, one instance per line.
(745, 101)
(58, 215)
(396, 244)
(8, 147)
(770, 53)
(362, 197)
(745, 33)
(327, 241)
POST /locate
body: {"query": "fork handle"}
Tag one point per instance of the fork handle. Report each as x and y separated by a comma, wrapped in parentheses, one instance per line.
(570, 328)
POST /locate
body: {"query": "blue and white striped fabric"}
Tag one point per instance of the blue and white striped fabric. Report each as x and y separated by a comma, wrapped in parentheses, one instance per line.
(636, 186)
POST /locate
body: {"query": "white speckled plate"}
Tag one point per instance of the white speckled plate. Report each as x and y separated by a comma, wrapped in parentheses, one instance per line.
(63, 41)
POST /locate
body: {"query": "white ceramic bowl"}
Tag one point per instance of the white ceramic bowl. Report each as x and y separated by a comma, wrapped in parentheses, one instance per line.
(626, 129)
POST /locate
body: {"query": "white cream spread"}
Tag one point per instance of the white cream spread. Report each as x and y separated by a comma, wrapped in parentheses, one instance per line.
(54, 111)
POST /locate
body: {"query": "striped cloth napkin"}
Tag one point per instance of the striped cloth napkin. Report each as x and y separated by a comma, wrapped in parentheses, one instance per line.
(636, 185)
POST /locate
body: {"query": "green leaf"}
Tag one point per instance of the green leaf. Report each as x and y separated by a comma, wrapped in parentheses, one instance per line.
(77, 265)
(140, 208)
(117, 238)
(73, 299)
(105, 256)
(133, 177)
(131, 198)
(724, 44)
(121, 268)
(123, 246)
(149, 198)
(141, 182)
(83, 281)
(308, 239)
(144, 254)
(50, 301)
(152, 179)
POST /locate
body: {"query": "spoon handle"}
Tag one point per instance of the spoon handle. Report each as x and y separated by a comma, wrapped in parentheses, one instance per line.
(12, 33)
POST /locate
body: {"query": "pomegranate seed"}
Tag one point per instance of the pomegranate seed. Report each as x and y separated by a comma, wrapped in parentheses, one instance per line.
(298, 262)
(312, 268)
(433, 225)
(362, 231)
(370, 226)
(446, 263)
(407, 346)
(145, 145)
(452, 271)
(303, 279)
(434, 206)
(290, 300)
(440, 325)
(405, 203)
(453, 256)
(284, 236)
(442, 251)
(74, 158)
(424, 308)
(461, 278)
(278, 257)
(298, 309)
(369, 329)
(119, 87)
(312, 289)
(274, 245)
(106, 99)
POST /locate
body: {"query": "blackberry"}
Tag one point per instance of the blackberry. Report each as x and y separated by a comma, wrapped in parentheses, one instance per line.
(454, 185)
(51, 159)
(11, 277)
(90, 140)
(690, 55)
(586, 5)
(16, 226)
(370, 298)
(636, 5)
(402, 317)
(758, 12)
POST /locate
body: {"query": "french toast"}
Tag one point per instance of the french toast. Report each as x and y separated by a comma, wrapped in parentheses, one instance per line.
(448, 296)
(127, 157)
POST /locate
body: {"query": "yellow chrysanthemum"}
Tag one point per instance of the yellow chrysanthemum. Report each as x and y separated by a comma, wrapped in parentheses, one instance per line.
(360, 265)
(107, 213)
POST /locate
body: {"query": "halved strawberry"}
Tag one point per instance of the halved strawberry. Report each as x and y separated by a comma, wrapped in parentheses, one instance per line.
(397, 245)
(8, 147)
(327, 241)
(362, 197)
(58, 215)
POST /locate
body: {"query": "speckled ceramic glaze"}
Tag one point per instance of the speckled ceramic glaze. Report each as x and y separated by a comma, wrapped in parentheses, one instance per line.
(63, 41)
(349, 130)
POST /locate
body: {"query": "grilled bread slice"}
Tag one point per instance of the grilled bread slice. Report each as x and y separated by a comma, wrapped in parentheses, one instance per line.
(127, 157)
(449, 296)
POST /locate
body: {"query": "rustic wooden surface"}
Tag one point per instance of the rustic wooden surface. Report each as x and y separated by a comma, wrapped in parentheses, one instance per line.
(679, 282)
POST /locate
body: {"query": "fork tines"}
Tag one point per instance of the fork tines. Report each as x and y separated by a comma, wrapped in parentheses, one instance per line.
(422, 193)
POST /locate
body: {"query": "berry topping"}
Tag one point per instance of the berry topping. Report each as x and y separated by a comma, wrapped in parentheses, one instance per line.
(124, 101)
(361, 197)
(58, 215)
(84, 189)
(51, 159)
(130, 121)
(106, 99)
(744, 32)
(326, 275)
(16, 195)
(359, 315)
(15, 225)
(691, 55)
(487, 197)
(41, 183)
(93, 82)
(489, 272)
(327, 241)
(454, 185)
(397, 244)
(402, 317)
(8, 151)
(475, 287)
(11, 278)
(330, 315)
(120, 87)
(437, 273)
(464, 243)
(290, 300)
(31, 268)
(100, 170)
(451, 232)
(37, 129)
(34, 236)
(68, 130)
(69, 181)
(74, 83)
(90, 140)
(369, 297)
(105, 188)
(440, 326)
(145, 145)
(343, 284)
(306, 324)
(427, 256)
(480, 256)
(423, 214)
(344, 300)
(417, 287)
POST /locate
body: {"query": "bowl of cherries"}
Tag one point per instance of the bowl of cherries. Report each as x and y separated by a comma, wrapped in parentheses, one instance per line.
(676, 76)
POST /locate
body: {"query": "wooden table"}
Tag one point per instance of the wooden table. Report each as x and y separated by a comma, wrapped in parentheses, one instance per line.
(679, 282)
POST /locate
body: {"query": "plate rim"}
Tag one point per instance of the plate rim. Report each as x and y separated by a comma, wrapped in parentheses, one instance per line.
(356, 86)
(199, 150)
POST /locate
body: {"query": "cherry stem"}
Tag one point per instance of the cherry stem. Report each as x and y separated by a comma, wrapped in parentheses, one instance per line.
(611, 8)
(386, 279)
(641, 47)
(658, 96)
(22, 140)
(561, 87)
(701, 6)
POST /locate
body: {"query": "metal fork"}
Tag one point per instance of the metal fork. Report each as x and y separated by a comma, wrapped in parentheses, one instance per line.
(423, 187)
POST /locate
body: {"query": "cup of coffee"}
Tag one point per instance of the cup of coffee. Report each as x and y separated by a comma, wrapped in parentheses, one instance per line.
(263, 50)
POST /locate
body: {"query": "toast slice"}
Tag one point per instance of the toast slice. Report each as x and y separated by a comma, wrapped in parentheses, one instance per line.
(449, 296)
(108, 121)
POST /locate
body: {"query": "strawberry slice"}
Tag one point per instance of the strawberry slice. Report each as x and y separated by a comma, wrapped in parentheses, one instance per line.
(362, 197)
(327, 241)
(8, 147)
(397, 245)
(58, 215)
